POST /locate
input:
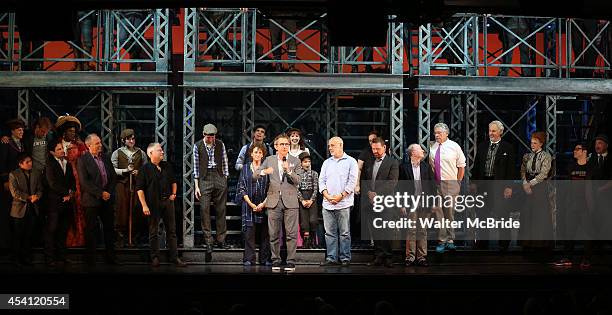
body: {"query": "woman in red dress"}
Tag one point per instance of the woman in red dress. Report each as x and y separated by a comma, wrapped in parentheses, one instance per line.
(67, 128)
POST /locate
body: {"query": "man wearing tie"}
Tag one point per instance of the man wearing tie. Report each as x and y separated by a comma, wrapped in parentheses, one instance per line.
(448, 162)
(600, 175)
(380, 177)
(421, 182)
(61, 187)
(281, 200)
(495, 161)
(97, 181)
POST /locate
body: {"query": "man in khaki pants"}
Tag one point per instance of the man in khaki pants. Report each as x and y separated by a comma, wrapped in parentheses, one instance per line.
(448, 162)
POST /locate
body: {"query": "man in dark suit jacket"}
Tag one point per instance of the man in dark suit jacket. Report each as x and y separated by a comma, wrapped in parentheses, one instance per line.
(419, 181)
(495, 161)
(97, 181)
(380, 177)
(60, 197)
(26, 189)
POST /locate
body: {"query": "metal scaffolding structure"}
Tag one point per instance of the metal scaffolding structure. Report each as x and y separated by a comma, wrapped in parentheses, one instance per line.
(262, 49)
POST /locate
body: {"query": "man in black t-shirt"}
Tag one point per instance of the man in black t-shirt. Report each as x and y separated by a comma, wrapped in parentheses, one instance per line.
(574, 219)
(156, 188)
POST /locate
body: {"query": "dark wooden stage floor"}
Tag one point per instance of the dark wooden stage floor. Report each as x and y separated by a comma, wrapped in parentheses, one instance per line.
(465, 273)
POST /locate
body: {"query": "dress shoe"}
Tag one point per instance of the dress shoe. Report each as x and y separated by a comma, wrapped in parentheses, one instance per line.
(422, 262)
(224, 245)
(179, 263)
(389, 263)
(346, 263)
(376, 262)
(113, 261)
(155, 262)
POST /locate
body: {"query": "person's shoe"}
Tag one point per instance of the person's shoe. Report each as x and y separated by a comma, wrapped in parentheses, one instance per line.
(409, 262)
(328, 263)
(223, 245)
(376, 262)
(113, 261)
(290, 267)
(276, 266)
(389, 263)
(451, 246)
(248, 263)
(563, 262)
(306, 243)
(422, 262)
(585, 264)
(440, 248)
(179, 263)
(155, 262)
(346, 263)
(266, 263)
(208, 256)
(65, 261)
(90, 261)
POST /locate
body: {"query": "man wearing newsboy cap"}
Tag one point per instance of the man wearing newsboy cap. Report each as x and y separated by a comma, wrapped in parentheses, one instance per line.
(210, 172)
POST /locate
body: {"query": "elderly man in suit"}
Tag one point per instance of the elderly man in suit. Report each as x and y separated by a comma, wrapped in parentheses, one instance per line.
(495, 161)
(420, 181)
(26, 189)
(97, 181)
(281, 200)
(380, 177)
(60, 203)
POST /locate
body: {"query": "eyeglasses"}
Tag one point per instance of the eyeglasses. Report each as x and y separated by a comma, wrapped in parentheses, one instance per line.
(284, 144)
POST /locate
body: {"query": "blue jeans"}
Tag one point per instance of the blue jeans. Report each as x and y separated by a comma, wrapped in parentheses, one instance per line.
(337, 222)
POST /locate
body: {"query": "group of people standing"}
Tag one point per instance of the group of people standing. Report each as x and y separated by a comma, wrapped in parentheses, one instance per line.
(72, 185)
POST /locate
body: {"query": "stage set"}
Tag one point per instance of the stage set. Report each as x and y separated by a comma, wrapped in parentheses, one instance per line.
(177, 76)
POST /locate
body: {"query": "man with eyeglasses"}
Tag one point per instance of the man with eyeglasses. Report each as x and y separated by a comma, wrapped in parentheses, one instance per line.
(282, 200)
(210, 172)
(127, 160)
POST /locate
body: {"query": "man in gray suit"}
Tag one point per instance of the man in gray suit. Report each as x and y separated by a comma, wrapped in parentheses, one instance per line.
(26, 189)
(282, 200)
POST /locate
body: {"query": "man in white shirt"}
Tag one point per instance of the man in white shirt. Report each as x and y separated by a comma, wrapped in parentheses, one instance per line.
(448, 163)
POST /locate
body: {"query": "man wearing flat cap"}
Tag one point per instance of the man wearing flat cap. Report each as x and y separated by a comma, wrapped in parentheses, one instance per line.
(210, 172)
(127, 160)
(8, 162)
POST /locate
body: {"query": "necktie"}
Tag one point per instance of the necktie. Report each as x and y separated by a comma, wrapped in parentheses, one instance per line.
(493, 146)
(437, 166)
(599, 160)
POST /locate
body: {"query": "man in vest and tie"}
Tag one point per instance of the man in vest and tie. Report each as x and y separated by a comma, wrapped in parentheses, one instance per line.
(210, 172)
(127, 160)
